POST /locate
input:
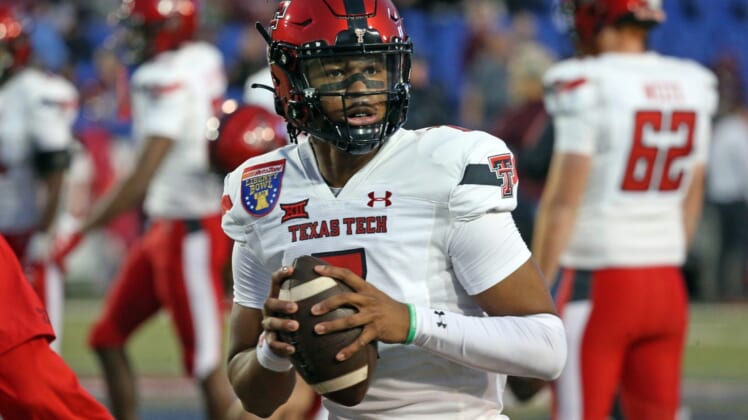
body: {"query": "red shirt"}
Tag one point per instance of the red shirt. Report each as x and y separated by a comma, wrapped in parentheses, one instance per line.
(22, 314)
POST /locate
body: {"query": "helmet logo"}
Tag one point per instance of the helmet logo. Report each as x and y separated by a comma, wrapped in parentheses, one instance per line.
(503, 166)
(279, 14)
(359, 35)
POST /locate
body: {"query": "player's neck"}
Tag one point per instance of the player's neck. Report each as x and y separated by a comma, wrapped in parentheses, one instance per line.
(336, 166)
(630, 46)
(624, 40)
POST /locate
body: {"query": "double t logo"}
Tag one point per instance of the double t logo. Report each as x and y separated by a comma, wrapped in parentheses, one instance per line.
(503, 167)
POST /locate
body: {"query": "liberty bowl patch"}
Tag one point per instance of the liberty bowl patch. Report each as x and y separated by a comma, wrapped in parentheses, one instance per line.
(261, 185)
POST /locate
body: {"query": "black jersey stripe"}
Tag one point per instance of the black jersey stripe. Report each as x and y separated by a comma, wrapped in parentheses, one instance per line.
(477, 174)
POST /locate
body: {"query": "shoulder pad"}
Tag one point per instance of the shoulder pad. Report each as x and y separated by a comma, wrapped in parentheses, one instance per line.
(570, 87)
(49, 91)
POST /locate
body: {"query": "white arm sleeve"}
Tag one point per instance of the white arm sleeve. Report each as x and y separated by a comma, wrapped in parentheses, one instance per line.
(251, 280)
(486, 250)
(529, 346)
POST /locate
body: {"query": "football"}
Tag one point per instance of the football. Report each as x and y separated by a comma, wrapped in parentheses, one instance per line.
(343, 382)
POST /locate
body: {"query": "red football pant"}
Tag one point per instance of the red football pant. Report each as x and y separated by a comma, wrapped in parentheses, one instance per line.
(35, 383)
(177, 265)
(627, 337)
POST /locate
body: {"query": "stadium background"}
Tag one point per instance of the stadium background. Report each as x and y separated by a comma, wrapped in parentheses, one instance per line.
(471, 56)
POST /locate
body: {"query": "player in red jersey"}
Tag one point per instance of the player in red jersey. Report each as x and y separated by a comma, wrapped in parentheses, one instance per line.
(35, 383)
(620, 207)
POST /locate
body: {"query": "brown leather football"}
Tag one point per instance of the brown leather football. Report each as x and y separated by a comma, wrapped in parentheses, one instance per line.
(344, 382)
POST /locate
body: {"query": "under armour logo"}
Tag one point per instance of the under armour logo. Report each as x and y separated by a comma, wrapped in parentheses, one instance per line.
(440, 323)
(386, 199)
(359, 35)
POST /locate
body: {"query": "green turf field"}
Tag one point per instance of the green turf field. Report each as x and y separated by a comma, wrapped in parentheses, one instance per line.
(716, 363)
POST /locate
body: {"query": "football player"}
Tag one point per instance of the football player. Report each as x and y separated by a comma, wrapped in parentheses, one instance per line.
(177, 265)
(418, 223)
(37, 110)
(620, 207)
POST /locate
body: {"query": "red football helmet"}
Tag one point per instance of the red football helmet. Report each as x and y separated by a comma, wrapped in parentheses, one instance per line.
(590, 16)
(15, 47)
(247, 132)
(156, 26)
(310, 35)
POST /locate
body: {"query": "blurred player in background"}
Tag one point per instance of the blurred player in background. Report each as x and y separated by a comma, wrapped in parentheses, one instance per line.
(35, 383)
(245, 132)
(423, 216)
(37, 110)
(620, 206)
(177, 265)
(255, 93)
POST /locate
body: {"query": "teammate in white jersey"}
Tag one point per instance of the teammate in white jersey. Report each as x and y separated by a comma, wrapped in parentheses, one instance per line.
(178, 263)
(418, 223)
(37, 110)
(619, 209)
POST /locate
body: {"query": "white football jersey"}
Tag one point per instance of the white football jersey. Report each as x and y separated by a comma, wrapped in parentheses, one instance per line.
(37, 110)
(645, 120)
(392, 224)
(174, 96)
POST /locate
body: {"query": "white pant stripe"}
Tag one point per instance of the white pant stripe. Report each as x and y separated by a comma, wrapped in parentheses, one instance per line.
(202, 302)
(569, 385)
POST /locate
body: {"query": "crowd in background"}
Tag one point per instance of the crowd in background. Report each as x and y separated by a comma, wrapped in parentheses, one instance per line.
(478, 64)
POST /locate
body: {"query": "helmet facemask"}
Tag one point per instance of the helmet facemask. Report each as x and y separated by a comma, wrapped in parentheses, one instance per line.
(6, 62)
(15, 45)
(150, 27)
(134, 42)
(352, 96)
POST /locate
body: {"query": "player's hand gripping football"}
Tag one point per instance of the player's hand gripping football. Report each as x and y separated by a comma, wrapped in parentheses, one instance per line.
(273, 305)
(381, 317)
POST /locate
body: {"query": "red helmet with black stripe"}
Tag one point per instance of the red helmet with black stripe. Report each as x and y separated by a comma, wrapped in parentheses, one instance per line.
(590, 16)
(15, 46)
(155, 26)
(306, 35)
(248, 131)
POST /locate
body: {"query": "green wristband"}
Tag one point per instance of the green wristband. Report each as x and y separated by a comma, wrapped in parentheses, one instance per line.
(412, 328)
